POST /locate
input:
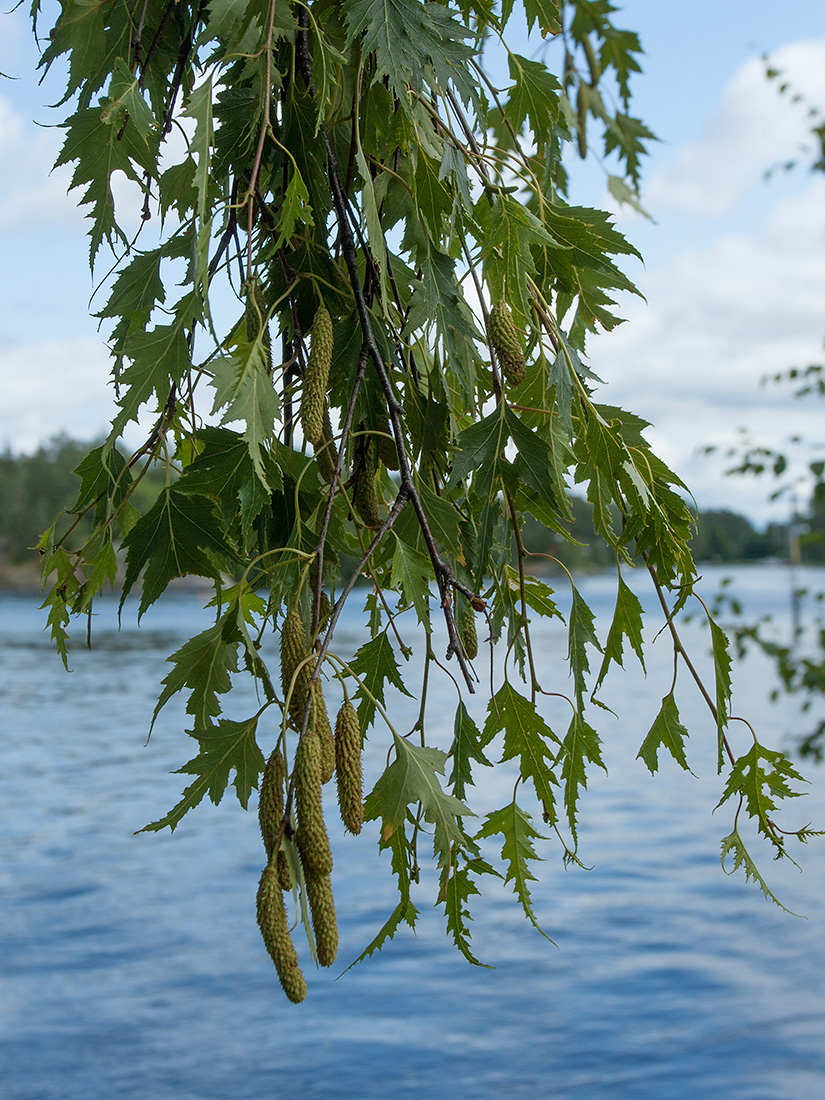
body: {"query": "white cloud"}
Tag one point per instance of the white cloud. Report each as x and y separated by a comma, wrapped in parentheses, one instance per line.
(718, 319)
(31, 194)
(753, 129)
(51, 387)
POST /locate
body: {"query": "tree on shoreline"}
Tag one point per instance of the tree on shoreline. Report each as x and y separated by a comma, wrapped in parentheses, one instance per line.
(402, 379)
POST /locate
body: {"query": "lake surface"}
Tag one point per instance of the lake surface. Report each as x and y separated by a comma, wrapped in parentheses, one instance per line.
(131, 965)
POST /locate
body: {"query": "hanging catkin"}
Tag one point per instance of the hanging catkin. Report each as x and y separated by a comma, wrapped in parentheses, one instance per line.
(321, 725)
(506, 341)
(311, 836)
(324, 921)
(294, 650)
(348, 767)
(365, 491)
(271, 802)
(271, 814)
(313, 397)
(467, 631)
(275, 932)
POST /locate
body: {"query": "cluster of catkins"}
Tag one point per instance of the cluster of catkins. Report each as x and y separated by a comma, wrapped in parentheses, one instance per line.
(319, 754)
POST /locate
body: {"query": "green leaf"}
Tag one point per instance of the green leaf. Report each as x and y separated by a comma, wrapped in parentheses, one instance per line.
(528, 738)
(101, 149)
(454, 325)
(581, 632)
(508, 233)
(160, 360)
(244, 390)
(544, 12)
(761, 776)
(457, 891)
(534, 461)
(666, 732)
(443, 518)
(412, 572)
(200, 108)
(413, 777)
(57, 621)
(104, 482)
(538, 595)
(203, 665)
(627, 623)
(733, 844)
(404, 912)
(467, 745)
(534, 97)
(224, 470)
(125, 104)
(137, 289)
(479, 449)
(375, 666)
(580, 746)
(175, 537)
(405, 35)
(516, 827)
(225, 747)
(296, 208)
(721, 671)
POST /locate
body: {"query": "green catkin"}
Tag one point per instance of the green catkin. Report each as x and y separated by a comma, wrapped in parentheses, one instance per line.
(311, 836)
(348, 767)
(322, 728)
(326, 453)
(294, 650)
(316, 378)
(506, 341)
(324, 921)
(275, 932)
(271, 814)
(467, 632)
(271, 802)
(365, 491)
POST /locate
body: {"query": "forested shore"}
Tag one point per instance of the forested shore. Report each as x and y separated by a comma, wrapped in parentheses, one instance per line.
(34, 488)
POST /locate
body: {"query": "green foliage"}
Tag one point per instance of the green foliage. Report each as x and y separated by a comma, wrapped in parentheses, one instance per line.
(359, 155)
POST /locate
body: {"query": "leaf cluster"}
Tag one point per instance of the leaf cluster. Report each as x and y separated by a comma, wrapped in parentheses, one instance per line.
(363, 162)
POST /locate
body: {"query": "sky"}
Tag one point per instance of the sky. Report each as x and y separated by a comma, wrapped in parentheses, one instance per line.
(733, 278)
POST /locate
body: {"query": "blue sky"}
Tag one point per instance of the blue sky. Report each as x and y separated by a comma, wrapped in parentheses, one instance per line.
(734, 274)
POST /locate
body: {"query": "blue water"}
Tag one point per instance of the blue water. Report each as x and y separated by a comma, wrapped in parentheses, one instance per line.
(131, 965)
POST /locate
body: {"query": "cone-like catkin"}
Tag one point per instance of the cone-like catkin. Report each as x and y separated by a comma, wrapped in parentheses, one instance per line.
(504, 336)
(316, 378)
(324, 922)
(294, 650)
(467, 632)
(275, 932)
(348, 767)
(312, 838)
(365, 492)
(323, 729)
(326, 453)
(271, 801)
